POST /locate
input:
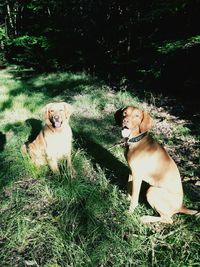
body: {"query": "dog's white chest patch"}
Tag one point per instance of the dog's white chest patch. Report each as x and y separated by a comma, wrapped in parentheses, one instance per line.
(59, 144)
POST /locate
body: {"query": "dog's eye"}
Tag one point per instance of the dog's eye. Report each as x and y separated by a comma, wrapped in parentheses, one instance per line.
(51, 110)
(61, 110)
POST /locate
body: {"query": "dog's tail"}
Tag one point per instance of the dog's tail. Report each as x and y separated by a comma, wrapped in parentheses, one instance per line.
(188, 211)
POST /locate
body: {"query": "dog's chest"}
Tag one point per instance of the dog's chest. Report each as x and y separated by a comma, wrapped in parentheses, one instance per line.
(59, 144)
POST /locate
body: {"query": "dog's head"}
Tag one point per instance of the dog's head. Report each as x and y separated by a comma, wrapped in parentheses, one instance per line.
(57, 113)
(132, 119)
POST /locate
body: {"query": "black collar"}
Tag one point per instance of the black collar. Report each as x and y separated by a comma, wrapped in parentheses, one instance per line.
(136, 138)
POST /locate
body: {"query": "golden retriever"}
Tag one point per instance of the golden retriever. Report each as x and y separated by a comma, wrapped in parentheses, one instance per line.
(54, 142)
(149, 161)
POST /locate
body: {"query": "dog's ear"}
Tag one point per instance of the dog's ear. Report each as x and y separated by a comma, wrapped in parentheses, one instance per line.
(118, 116)
(68, 109)
(146, 123)
(45, 111)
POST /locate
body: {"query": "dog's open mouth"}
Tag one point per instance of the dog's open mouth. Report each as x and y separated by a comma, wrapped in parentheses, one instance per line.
(125, 132)
(57, 124)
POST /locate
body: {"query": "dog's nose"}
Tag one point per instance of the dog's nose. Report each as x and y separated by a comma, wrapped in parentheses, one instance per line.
(125, 120)
(56, 117)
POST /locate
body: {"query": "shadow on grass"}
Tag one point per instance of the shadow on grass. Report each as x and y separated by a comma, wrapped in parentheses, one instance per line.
(11, 162)
(95, 136)
(36, 127)
(2, 141)
(114, 169)
(192, 192)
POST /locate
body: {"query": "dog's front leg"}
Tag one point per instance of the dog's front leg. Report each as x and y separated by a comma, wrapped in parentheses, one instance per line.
(130, 186)
(53, 165)
(69, 166)
(136, 185)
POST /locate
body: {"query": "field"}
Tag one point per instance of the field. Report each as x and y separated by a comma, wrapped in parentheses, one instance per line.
(57, 220)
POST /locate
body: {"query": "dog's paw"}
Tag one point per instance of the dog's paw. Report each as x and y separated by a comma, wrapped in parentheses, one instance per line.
(129, 197)
(132, 207)
(152, 219)
(146, 219)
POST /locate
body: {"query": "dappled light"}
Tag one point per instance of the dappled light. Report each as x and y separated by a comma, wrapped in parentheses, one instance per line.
(2, 141)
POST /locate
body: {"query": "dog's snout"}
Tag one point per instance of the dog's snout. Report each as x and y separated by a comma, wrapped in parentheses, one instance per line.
(125, 121)
(56, 117)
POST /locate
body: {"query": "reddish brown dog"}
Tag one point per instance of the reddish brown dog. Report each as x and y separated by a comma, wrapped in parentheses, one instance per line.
(149, 161)
(54, 142)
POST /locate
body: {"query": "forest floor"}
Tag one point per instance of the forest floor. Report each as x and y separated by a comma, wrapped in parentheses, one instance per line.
(58, 220)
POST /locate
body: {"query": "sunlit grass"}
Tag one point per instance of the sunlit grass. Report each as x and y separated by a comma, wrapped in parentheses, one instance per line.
(59, 220)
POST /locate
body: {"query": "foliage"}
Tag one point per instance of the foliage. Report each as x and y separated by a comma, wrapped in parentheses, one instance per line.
(28, 41)
(2, 33)
(169, 47)
(119, 36)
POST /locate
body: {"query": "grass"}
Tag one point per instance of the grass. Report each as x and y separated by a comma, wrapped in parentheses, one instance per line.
(57, 220)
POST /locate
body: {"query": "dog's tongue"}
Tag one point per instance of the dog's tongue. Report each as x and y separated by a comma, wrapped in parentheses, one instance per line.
(57, 124)
(126, 132)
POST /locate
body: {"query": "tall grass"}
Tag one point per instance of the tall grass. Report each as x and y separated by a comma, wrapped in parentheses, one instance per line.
(58, 220)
